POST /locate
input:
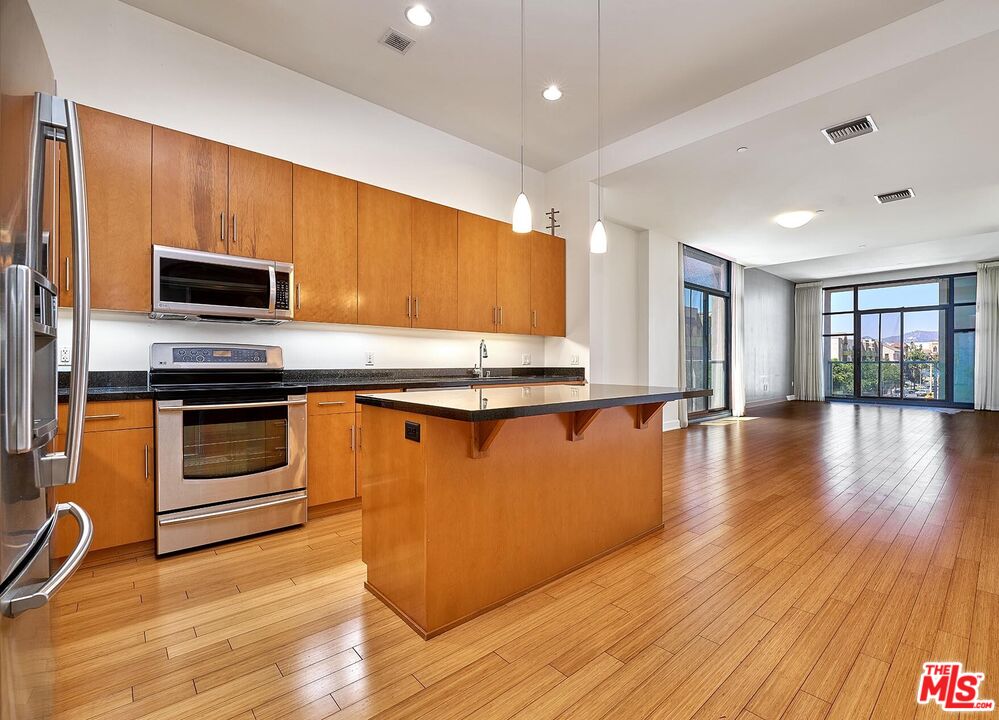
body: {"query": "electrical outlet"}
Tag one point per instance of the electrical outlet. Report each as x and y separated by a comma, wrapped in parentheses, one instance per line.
(64, 357)
(525, 359)
(369, 359)
(574, 359)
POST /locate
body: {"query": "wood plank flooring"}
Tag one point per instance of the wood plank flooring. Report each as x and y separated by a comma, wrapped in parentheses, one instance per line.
(811, 561)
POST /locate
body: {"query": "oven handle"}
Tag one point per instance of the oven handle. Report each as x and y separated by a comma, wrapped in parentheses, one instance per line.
(232, 511)
(233, 406)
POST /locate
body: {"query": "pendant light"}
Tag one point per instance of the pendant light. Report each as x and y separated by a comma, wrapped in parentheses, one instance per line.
(598, 236)
(522, 221)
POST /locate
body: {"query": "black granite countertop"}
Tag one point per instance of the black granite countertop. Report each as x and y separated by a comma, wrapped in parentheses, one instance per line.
(134, 384)
(505, 403)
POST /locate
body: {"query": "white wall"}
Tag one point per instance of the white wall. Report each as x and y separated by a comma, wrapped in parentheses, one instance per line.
(115, 57)
(909, 274)
(614, 309)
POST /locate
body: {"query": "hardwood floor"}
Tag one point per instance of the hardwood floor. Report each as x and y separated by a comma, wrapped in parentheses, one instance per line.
(811, 561)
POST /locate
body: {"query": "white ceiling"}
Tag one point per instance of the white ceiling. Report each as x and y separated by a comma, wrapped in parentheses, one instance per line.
(938, 118)
(661, 57)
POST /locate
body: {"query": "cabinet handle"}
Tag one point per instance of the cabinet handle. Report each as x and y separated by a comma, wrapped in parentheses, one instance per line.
(145, 459)
(500, 315)
(222, 225)
(495, 316)
(534, 318)
(111, 416)
(332, 402)
(409, 306)
(352, 438)
(68, 285)
(235, 240)
(298, 296)
(360, 437)
(417, 316)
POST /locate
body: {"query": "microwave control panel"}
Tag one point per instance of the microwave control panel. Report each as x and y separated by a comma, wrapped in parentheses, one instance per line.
(282, 293)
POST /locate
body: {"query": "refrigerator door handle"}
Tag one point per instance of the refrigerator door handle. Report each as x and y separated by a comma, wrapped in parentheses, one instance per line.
(62, 468)
(35, 596)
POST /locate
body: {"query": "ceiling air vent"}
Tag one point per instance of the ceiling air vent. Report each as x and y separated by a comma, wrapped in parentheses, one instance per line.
(396, 40)
(849, 130)
(906, 194)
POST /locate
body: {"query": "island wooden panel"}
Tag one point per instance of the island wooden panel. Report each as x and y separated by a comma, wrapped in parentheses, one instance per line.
(260, 189)
(435, 266)
(448, 535)
(117, 154)
(325, 246)
(190, 194)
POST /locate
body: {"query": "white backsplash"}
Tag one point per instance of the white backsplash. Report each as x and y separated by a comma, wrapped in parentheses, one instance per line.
(120, 341)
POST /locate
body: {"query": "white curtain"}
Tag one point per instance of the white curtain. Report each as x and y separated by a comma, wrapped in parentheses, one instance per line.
(987, 338)
(681, 342)
(738, 294)
(808, 384)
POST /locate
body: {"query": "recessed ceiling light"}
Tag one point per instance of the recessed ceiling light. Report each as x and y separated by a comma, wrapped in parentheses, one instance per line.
(794, 219)
(419, 16)
(742, 149)
(552, 92)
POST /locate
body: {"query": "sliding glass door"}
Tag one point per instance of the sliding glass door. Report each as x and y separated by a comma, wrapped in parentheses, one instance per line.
(706, 313)
(903, 342)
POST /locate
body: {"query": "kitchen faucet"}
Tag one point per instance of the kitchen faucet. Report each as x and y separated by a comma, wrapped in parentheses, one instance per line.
(483, 353)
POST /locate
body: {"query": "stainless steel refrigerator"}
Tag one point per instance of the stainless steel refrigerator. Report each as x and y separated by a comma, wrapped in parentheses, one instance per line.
(33, 124)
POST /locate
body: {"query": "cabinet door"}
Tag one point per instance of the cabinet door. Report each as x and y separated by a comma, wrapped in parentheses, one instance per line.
(190, 191)
(117, 155)
(331, 458)
(548, 285)
(435, 266)
(513, 280)
(115, 487)
(325, 246)
(477, 246)
(384, 257)
(260, 206)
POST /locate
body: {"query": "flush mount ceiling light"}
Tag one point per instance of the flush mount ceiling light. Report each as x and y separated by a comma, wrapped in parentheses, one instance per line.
(742, 149)
(419, 16)
(598, 235)
(552, 92)
(522, 220)
(795, 218)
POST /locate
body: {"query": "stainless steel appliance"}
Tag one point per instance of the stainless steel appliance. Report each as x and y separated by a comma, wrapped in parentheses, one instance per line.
(195, 285)
(230, 443)
(32, 124)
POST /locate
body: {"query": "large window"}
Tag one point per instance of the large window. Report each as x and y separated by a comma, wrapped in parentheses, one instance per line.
(706, 310)
(908, 341)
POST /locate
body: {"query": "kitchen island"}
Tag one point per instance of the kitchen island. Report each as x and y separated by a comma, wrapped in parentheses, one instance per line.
(475, 496)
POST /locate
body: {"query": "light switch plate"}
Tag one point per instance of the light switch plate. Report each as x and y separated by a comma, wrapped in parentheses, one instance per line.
(369, 359)
(574, 359)
(525, 359)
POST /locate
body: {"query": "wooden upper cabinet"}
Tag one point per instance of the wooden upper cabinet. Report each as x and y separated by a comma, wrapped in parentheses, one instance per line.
(325, 246)
(189, 191)
(435, 266)
(116, 155)
(547, 284)
(260, 206)
(384, 257)
(477, 248)
(513, 280)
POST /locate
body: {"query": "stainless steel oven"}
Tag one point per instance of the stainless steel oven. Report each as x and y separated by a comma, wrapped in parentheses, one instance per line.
(230, 444)
(195, 285)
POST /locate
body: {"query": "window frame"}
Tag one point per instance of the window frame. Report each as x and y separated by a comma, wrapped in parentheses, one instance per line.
(947, 342)
(727, 295)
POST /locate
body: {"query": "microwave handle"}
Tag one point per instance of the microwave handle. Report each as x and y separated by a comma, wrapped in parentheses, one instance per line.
(272, 300)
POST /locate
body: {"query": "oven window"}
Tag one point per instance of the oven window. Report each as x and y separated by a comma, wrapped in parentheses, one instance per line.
(186, 281)
(229, 443)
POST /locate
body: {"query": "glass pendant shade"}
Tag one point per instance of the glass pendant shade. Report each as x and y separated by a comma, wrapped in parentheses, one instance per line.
(522, 222)
(598, 238)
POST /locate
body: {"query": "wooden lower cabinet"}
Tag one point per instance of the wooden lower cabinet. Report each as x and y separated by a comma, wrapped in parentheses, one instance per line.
(115, 487)
(331, 453)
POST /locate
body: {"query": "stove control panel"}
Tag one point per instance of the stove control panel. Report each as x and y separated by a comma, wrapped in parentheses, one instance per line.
(221, 356)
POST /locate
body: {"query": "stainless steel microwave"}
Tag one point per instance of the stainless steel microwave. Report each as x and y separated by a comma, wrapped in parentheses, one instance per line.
(195, 285)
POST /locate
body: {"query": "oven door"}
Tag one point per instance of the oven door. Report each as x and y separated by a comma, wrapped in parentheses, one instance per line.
(213, 452)
(199, 284)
